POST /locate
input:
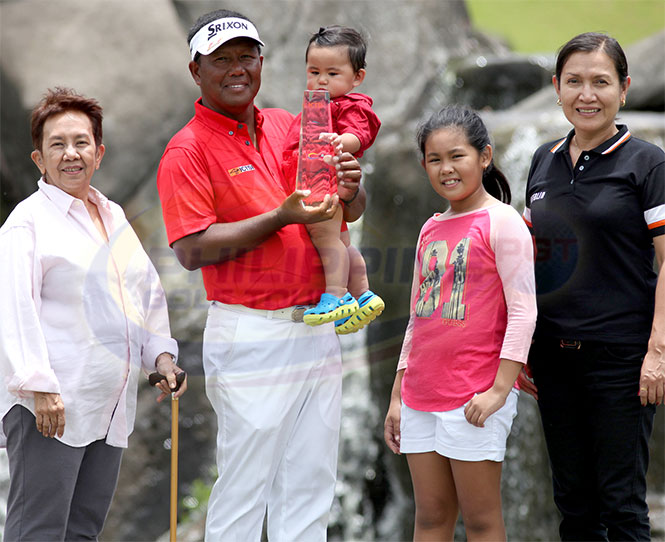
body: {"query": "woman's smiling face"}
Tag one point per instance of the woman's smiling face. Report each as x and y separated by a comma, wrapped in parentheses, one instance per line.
(69, 156)
(591, 93)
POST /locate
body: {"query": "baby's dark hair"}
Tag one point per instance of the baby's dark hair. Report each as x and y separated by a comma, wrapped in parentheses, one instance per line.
(331, 36)
(467, 120)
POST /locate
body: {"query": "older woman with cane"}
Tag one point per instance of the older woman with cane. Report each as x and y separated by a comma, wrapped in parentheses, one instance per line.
(82, 313)
(595, 203)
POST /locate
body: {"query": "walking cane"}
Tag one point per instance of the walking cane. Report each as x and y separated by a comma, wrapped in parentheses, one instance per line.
(154, 378)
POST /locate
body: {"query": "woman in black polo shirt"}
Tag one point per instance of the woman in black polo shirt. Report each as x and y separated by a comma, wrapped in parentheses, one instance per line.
(596, 208)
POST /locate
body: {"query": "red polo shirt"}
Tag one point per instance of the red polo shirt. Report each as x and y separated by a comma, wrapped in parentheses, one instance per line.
(210, 172)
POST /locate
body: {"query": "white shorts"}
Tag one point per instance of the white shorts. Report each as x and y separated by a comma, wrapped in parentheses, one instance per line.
(451, 435)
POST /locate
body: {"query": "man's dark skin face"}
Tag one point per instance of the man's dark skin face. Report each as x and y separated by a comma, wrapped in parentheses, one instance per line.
(230, 78)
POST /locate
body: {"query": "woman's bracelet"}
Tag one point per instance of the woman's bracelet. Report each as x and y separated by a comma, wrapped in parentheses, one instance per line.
(348, 201)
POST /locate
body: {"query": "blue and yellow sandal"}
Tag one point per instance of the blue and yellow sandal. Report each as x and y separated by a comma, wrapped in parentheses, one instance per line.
(330, 308)
(370, 306)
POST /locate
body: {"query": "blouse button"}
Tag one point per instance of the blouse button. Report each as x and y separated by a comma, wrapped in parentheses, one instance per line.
(247, 143)
(230, 132)
(239, 126)
(581, 168)
(586, 156)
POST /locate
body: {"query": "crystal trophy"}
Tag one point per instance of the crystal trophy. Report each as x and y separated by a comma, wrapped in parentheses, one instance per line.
(313, 173)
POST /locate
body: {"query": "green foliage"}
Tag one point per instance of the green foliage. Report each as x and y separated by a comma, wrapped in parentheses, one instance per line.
(542, 26)
(197, 499)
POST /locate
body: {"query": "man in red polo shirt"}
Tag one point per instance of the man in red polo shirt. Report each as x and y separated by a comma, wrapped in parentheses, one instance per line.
(274, 382)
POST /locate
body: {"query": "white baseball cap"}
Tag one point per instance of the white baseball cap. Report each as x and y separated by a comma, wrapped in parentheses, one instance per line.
(212, 35)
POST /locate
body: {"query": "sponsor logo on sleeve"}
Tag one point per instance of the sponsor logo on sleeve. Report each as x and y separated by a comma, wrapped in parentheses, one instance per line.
(537, 196)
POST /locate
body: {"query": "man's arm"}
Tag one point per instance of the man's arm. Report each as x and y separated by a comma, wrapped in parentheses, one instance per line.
(225, 241)
(354, 208)
(349, 189)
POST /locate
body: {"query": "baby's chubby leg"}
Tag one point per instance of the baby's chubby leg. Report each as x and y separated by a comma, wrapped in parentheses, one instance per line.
(334, 254)
(358, 283)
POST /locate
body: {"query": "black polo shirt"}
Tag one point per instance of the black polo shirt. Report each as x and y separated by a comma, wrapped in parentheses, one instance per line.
(593, 225)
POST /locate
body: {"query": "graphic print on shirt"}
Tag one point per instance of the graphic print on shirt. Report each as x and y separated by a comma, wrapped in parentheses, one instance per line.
(433, 268)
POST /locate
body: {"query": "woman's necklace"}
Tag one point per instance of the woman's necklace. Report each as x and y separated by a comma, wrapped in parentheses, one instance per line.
(574, 150)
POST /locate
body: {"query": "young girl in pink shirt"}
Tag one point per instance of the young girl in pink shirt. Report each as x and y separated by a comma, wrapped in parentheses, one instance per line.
(472, 314)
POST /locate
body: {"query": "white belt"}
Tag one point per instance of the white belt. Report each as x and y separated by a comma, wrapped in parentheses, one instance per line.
(293, 313)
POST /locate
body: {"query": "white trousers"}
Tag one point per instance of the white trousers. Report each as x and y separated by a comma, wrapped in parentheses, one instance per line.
(275, 386)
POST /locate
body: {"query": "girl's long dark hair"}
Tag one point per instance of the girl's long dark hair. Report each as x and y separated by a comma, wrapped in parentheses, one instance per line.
(476, 133)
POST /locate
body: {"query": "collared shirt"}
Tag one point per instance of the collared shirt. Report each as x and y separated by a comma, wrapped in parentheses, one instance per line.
(594, 224)
(79, 316)
(211, 172)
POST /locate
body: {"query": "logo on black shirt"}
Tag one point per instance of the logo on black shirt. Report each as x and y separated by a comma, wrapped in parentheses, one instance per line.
(537, 196)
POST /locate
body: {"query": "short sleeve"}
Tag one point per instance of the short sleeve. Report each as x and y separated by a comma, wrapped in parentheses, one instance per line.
(526, 214)
(186, 194)
(653, 200)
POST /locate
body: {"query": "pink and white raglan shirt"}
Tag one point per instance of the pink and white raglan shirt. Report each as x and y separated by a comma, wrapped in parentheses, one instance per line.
(472, 304)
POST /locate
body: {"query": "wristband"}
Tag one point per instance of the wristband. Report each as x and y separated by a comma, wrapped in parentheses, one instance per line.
(348, 201)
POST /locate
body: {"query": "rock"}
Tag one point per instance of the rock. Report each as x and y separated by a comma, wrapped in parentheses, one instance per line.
(498, 82)
(647, 71)
(133, 59)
